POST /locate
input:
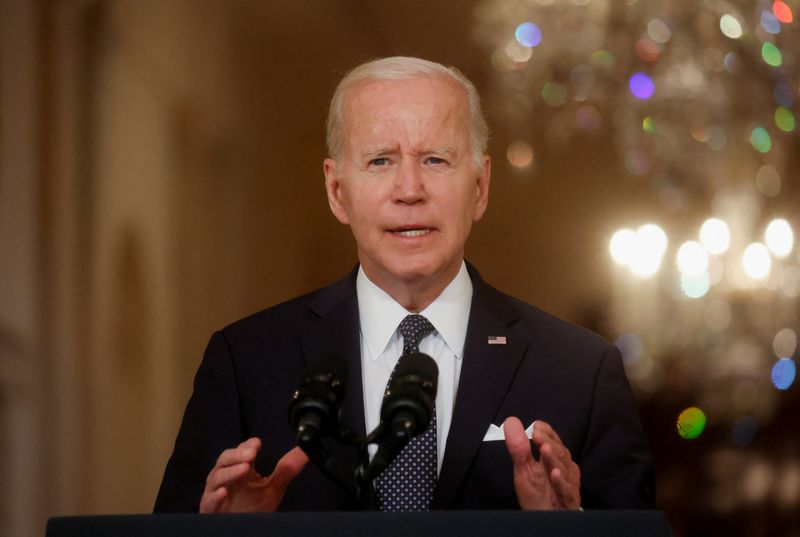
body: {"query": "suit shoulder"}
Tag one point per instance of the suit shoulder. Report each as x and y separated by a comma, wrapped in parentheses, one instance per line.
(550, 331)
(289, 316)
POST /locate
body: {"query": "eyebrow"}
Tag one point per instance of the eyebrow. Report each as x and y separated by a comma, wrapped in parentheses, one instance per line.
(388, 150)
(371, 153)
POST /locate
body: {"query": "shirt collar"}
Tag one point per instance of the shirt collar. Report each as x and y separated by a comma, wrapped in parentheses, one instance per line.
(380, 315)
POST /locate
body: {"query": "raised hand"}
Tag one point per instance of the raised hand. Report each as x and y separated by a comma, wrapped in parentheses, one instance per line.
(554, 481)
(233, 485)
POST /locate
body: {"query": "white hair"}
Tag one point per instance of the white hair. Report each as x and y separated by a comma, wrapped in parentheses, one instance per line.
(402, 68)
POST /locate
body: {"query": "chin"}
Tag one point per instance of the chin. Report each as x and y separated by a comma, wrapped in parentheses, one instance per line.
(417, 270)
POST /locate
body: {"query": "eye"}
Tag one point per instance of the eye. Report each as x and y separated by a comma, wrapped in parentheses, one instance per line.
(435, 160)
(380, 161)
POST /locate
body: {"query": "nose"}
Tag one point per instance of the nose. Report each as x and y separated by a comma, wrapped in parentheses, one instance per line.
(409, 186)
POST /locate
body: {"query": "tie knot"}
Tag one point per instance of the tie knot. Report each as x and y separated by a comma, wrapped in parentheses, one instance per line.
(413, 328)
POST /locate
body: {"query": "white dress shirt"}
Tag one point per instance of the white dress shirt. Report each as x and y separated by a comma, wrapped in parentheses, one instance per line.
(382, 345)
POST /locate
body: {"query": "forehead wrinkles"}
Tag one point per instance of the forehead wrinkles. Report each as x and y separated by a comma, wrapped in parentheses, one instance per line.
(395, 111)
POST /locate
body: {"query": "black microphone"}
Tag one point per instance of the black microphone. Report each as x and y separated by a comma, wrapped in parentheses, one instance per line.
(407, 407)
(314, 409)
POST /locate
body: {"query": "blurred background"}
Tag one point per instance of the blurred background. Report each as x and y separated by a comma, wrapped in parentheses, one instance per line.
(162, 177)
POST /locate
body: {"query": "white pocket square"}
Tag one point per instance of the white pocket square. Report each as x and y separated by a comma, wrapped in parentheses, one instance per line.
(495, 432)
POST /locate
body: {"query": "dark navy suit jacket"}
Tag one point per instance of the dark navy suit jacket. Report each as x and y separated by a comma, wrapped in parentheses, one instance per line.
(548, 370)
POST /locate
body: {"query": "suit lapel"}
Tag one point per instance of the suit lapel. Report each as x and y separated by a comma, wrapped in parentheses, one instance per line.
(334, 329)
(486, 375)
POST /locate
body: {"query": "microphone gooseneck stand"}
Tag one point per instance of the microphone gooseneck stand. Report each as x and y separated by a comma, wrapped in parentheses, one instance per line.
(405, 412)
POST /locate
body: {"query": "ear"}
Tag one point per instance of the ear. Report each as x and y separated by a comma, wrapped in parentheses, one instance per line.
(482, 187)
(333, 187)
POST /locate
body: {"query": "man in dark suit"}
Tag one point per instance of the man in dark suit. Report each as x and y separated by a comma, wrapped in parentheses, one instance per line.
(531, 412)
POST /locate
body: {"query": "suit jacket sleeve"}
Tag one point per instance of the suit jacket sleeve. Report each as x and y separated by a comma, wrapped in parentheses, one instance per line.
(211, 424)
(616, 465)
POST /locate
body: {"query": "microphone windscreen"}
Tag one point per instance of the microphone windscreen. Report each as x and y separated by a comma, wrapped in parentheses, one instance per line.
(418, 364)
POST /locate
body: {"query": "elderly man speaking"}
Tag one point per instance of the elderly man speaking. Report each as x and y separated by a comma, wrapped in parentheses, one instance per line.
(531, 412)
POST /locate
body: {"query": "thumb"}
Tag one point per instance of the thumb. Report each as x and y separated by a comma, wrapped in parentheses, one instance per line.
(288, 467)
(517, 442)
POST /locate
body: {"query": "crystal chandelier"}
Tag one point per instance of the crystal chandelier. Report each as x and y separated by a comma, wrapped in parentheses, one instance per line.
(700, 99)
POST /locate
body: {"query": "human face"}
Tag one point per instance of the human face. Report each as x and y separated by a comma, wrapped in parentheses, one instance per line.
(406, 182)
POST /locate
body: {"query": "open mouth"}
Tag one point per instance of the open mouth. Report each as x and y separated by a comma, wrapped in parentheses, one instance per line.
(416, 232)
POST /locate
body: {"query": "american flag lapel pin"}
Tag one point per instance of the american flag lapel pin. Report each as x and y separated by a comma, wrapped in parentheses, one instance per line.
(497, 340)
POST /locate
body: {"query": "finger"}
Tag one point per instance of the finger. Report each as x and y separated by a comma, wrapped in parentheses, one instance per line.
(211, 502)
(219, 477)
(517, 443)
(244, 452)
(550, 457)
(543, 432)
(544, 435)
(288, 467)
(564, 475)
(567, 493)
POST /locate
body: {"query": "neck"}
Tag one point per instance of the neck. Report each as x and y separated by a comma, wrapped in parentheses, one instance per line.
(417, 294)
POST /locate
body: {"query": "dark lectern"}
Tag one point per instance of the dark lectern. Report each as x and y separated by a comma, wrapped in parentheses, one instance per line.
(371, 524)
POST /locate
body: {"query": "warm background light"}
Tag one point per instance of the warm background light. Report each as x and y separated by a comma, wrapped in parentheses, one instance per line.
(520, 154)
(756, 261)
(779, 237)
(692, 259)
(715, 235)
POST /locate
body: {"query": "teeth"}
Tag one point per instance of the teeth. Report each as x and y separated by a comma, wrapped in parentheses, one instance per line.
(414, 232)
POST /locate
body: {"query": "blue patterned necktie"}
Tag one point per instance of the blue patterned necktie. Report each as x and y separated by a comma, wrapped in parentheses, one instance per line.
(408, 483)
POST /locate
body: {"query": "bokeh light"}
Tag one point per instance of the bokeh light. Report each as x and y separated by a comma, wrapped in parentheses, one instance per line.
(730, 26)
(731, 62)
(520, 154)
(779, 237)
(768, 180)
(761, 140)
(782, 11)
(641, 86)
(784, 119)
(783, 373)
(692, 259)
(744, 431)
(651, 243)
(528, 34)
(695, 286)
(623, 247)
(770, 22)
(756, 261)
(641, 251)
(659, 31)
(648, 125)
(785, 342)
(647, 49)
(691, 423)
(652, 237)
(771, 55)
(715, 235)
(518, 53)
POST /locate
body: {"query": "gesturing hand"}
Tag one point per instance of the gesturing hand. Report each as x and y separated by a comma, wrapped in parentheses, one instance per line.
(233, 485)
(552, 482)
